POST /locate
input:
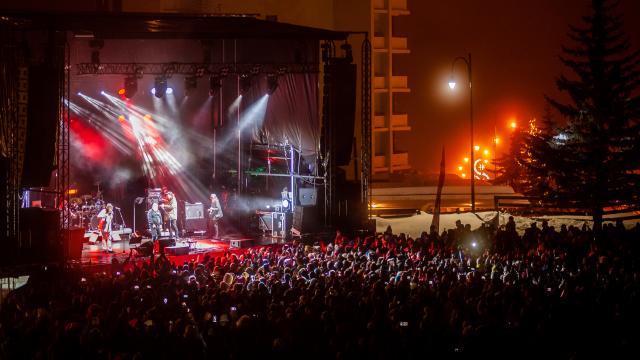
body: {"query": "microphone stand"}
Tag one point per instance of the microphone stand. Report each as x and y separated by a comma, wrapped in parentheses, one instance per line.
(122, 229)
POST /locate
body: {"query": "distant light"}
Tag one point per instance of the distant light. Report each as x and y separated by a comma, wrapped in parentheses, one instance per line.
(374, 205)
(452, 83)
(486, 161)
(486, 152)
(459, 168)
(513, 124)
(496, 140)
(169, 91)
(121, 118)
(466, 159)
(103, 93)
(153, 91)
(474, 244)
(147, 117)
(464, 175)
(79, 93)
(268, 206)
(476, 148)
(122, 91)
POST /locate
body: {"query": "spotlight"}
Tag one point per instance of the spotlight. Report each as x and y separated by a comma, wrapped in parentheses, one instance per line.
(215, 83)
(160, 87)
(272, 83)
(245, 83)
(348, 54)
(96, 45)
(474, 244)
(169, 91)
(190, 84)
(103, 93)
(130, 86)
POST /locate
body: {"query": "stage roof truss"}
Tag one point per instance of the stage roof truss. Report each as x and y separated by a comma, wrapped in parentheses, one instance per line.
(177, 68)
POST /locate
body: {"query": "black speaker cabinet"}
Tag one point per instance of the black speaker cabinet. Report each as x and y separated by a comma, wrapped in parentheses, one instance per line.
(241, 243)
(307, 196)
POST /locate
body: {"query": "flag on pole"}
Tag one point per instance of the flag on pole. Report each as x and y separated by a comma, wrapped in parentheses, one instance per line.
(436, 209)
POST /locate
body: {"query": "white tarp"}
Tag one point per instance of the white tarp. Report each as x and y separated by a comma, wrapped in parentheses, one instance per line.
(414, 225)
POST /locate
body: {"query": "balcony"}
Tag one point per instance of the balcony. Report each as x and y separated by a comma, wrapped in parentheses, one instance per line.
(398, 7)
(399, 45)
(400, 161)
(380, 163)
(400, 83)
(400, 122)
(379, 84)
(378, 122)
(379, 43)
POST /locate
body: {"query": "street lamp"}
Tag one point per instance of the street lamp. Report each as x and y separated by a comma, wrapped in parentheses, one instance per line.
(452, 85)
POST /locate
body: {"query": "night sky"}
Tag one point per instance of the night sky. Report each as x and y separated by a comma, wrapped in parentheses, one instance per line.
(515, 47)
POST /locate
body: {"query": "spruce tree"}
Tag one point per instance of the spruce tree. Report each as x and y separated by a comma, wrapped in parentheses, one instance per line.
(598, 153)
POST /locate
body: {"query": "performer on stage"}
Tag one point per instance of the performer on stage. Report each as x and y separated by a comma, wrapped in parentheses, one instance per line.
(154, 219)
(105, 226)
(171, 209)
(215, 214)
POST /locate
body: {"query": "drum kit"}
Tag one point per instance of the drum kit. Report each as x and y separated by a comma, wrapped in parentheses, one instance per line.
(84, 211)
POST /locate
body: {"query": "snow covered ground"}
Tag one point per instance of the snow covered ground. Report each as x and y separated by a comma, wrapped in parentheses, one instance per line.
(416, 224)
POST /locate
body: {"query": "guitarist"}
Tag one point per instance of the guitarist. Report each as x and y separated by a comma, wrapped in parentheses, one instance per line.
(215, 214)
(105, 226)
(171, 209)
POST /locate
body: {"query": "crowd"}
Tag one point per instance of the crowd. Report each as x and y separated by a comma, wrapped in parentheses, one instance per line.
(460, 294)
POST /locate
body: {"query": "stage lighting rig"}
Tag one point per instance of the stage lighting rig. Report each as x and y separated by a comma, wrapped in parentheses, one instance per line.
(160, 87)
(96, 45)
(245, 83)
(130, 86)
(215, 83)
(190, 84)
(272, 83)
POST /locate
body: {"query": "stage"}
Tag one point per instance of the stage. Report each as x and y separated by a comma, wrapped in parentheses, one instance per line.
(198, 247)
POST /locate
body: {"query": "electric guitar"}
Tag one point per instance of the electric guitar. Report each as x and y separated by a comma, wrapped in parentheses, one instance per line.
(215, 213)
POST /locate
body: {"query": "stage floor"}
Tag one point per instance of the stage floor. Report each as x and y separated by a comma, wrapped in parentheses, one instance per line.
(199, 247)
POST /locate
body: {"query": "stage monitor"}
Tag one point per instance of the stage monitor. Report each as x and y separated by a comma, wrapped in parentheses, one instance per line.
(307, 196)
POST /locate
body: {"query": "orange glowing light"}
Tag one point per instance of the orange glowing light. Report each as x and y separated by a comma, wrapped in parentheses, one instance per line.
(486, 152)
(147, 117)
(459, 168)
(72, 191)
(121, 118)
(486, 161)
(466, 159)
(464, 175)
(513, 124)
(122, 91)
(476, 148)
(496, 140)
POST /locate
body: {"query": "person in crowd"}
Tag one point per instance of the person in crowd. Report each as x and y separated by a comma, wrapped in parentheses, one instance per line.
(154, 220)
(571, 298)
(105, 226)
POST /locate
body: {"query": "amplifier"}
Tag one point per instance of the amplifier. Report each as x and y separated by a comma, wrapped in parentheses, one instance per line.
(181, 249)
(241, 243)
(193, 211)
